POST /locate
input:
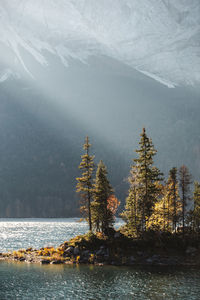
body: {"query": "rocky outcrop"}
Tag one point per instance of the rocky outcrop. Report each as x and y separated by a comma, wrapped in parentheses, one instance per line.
(100, 250)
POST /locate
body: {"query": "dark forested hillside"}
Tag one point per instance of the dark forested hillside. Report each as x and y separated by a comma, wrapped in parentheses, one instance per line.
(41, 134)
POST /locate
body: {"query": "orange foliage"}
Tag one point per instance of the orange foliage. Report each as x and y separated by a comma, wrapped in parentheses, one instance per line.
(113, 204)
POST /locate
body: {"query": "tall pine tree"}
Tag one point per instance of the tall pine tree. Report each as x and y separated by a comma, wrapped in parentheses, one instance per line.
(144, 188)
(131, 215)
(85, 183)
(196, 211)
(184, 182)
(173, 196)
(148, 177)
(102, 215)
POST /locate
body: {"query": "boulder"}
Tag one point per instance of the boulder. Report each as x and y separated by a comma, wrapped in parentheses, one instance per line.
(117, 235)
(29, 249)
(22, 259)
(99, 252)
(45, 261)
(76, 251)
(57, 262)
(64, 246)
(69, 251)
(86, 253)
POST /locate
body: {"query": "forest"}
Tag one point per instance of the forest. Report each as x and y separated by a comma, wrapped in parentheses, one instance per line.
(153, 203)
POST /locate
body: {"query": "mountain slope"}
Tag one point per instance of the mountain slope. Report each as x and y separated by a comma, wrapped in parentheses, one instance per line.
(71, 68)
(159, 38)
(42, 134)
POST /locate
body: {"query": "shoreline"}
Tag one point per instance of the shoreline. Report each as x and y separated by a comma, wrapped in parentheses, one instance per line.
(115, 251)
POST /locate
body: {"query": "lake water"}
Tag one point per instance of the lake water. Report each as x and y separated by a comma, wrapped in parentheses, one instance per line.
(34, 281)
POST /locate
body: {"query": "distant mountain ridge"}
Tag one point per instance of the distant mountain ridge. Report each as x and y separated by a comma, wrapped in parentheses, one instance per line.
(72, 68)
(159, 38)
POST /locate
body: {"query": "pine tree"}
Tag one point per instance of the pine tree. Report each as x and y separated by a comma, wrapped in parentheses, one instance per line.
(102, 215)
(185, 181)
(85, 185)
(159, 220)
(173, 197)
(196, 210)
(131, 215)
(148, 177)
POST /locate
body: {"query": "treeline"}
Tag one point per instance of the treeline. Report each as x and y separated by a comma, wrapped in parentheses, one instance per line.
(152, 202)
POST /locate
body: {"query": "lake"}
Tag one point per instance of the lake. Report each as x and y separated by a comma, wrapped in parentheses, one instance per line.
(34, 281)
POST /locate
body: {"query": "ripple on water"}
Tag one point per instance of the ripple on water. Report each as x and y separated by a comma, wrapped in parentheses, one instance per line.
(36, 233)
(26, 281)
(22, 281)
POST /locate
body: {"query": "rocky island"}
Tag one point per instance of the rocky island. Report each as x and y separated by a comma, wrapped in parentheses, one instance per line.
(159, 227)
(116, 249)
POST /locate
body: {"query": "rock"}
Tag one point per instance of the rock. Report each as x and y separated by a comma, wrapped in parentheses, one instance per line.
(99, 252)
(149, 260)
(86, 253)
(29, 249)
(153, 259)
(56, 262)
(64, 246)
(106, 257)
(45, 261)
(22, 259)
(117, 235)
(132, 259)
(69, 251)
(83, 260)
(102, 251)
(191, 250)
(76, 251)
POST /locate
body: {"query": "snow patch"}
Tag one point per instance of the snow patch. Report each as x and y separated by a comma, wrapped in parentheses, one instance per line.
(6, 74)
(159, 38)
(159, 79)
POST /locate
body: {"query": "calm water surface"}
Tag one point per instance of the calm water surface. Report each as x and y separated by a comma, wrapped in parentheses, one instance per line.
(27, 281)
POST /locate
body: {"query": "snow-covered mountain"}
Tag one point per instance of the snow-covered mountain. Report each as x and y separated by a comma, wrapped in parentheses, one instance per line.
(160, 38)
(70, 68)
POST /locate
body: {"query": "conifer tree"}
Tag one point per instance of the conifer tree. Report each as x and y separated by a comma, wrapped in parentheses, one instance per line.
(185, 181)
(159, 220)
(102, 215)
(196, 210)
(132, 215)
(173, 197)
(148, 177)
(85, 184)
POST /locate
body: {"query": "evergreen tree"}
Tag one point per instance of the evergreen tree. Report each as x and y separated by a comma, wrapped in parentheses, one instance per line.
(148, 177)
(173, 197)
(185, 181)
(160, 220)
(131, 215)
(102, 215)
(85, 185)
(196, 211)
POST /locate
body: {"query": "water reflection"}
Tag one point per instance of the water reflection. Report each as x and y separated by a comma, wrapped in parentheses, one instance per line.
(35, 281)
(92, 282)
